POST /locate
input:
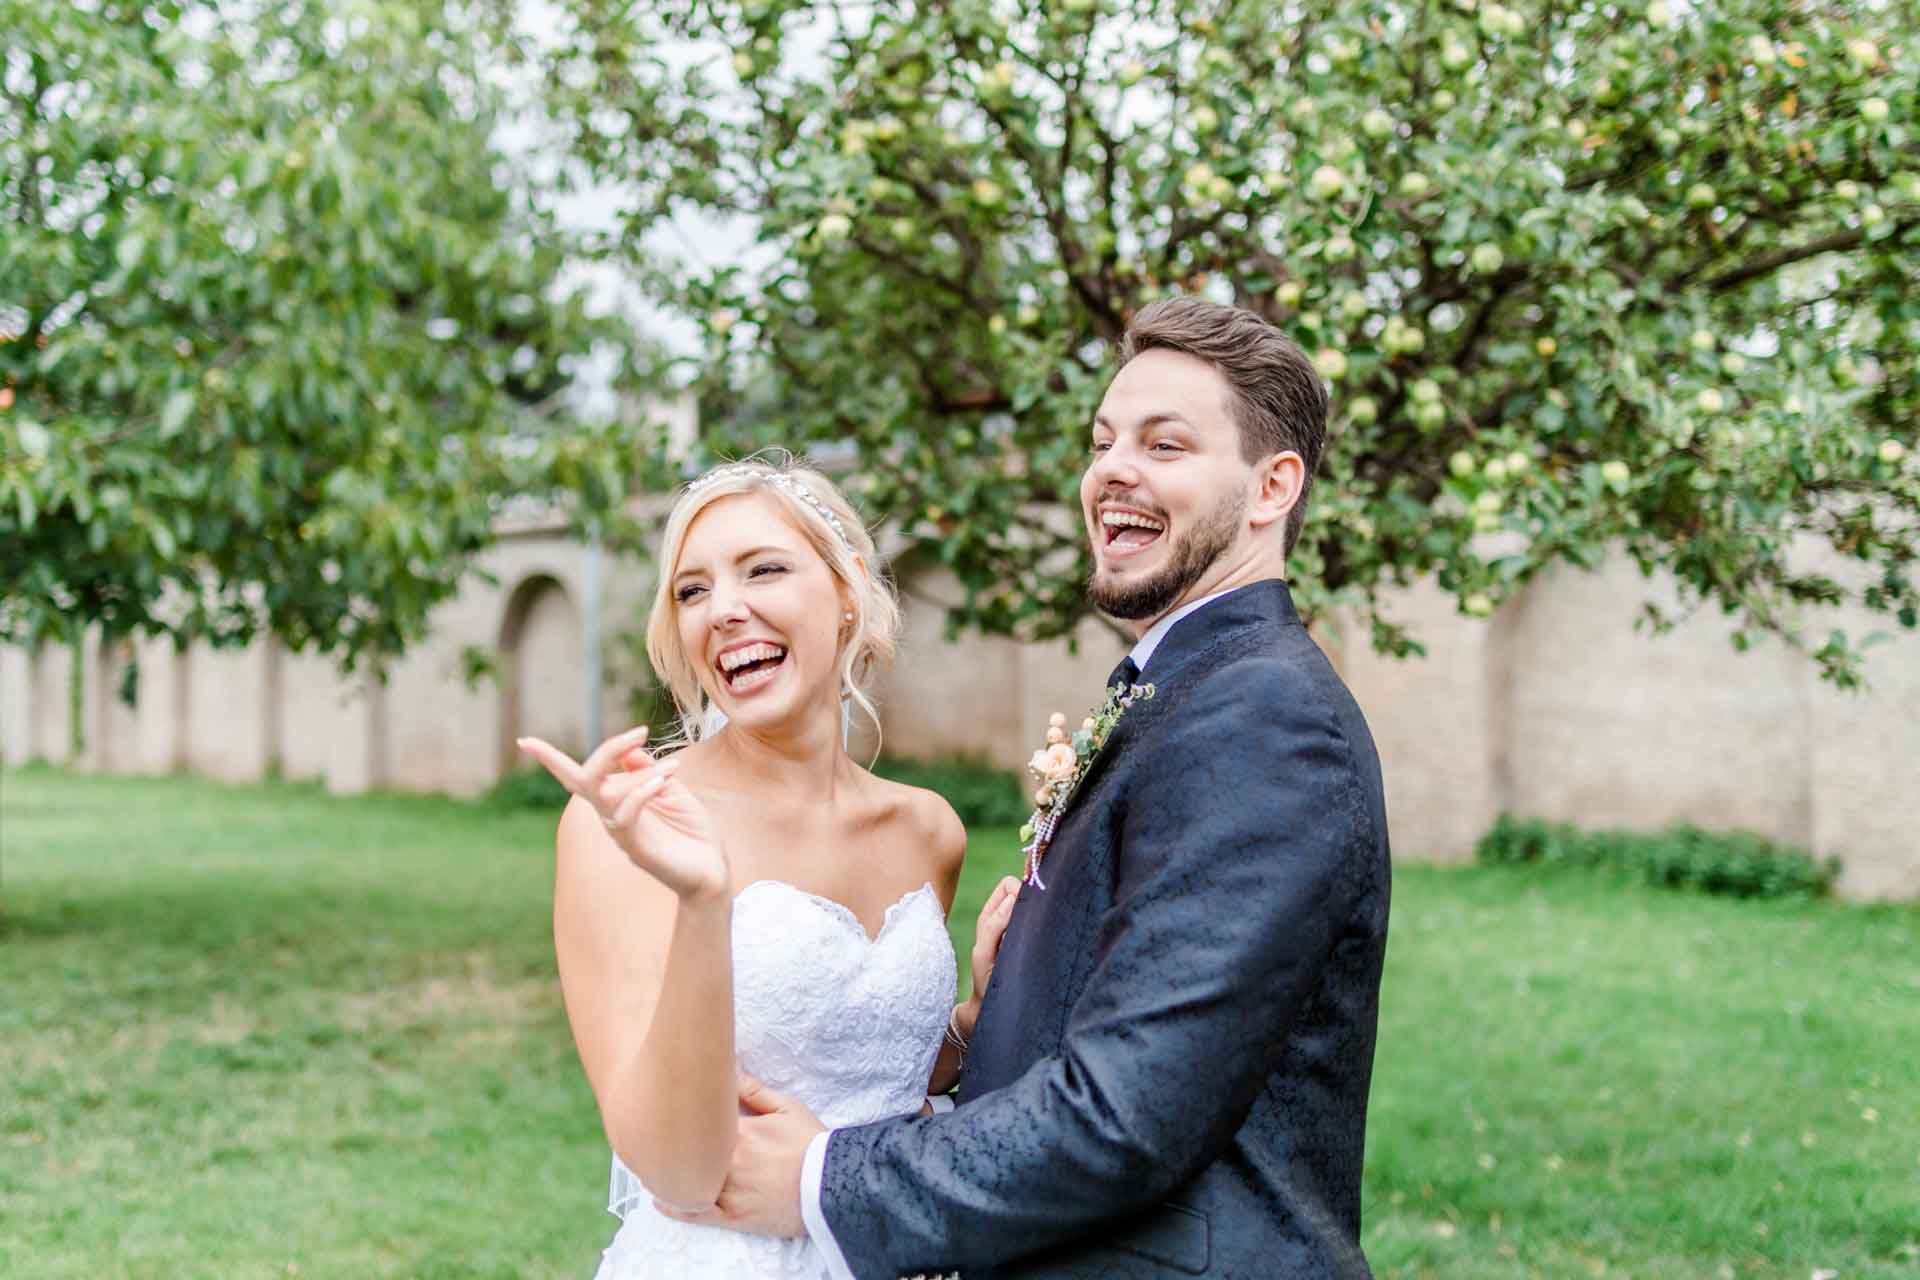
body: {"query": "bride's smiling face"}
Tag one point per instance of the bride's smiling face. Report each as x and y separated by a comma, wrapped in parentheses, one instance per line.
(758, 612)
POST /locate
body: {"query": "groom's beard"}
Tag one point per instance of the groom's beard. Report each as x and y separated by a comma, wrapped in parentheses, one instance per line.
(1192, 555)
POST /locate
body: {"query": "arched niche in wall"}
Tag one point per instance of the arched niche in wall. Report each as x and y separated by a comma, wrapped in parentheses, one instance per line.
(543, 684)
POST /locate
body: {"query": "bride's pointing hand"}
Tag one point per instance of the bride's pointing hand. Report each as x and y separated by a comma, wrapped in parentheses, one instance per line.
(658, 823)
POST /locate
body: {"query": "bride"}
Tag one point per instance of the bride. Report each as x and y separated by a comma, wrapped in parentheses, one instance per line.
(755, 902)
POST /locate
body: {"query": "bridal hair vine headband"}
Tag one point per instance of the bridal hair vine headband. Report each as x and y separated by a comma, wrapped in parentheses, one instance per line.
(780, 480)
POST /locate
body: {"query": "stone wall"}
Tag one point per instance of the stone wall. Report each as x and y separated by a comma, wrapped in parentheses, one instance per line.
(1556, 708)
(243, 714)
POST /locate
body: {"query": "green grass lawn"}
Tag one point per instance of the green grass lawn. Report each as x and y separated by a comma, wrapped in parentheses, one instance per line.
(260, 1031)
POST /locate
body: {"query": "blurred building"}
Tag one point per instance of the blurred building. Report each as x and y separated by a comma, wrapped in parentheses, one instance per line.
(1556, 707)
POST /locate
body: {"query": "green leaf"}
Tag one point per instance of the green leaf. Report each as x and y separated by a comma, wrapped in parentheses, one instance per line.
(174, 416)
(34, 439)
(284, 321)
(163, 543)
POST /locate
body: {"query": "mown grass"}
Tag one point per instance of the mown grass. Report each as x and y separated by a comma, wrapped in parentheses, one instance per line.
(1579, 1077)
(261, 1031)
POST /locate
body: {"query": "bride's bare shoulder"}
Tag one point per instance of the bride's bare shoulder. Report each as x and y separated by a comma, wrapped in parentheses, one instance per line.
(921, 819)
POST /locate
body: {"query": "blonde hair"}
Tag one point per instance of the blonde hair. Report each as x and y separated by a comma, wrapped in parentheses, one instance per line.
(817, 510)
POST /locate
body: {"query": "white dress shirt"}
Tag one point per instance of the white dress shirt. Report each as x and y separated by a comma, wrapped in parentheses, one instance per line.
(1143, 648)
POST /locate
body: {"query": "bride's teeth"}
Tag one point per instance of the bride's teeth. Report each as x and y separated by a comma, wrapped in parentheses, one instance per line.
(731, 663)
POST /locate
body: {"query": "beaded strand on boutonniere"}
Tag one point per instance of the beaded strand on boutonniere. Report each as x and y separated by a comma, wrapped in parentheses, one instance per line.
(1060, 765)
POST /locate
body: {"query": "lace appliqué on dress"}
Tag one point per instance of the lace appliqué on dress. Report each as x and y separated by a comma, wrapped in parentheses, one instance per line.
(848, 1024)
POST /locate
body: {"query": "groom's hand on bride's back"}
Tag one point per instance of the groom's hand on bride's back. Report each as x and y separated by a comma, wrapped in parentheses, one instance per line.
(762, 1192)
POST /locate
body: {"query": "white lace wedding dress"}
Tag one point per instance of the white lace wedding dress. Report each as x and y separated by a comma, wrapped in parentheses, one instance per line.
(848, 1024)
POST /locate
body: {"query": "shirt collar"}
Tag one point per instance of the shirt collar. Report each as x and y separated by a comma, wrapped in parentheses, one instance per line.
(1144, 647)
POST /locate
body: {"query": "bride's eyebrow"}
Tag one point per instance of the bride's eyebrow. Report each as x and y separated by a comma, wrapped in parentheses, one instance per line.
(750, 553)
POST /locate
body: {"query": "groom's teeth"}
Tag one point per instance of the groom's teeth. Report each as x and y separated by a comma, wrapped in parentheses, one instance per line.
(1118, 524)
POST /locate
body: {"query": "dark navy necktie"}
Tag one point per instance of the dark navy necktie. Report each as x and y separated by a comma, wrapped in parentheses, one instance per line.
(1126, 674)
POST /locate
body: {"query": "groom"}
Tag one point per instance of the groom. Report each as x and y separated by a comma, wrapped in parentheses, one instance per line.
(1169, 1074)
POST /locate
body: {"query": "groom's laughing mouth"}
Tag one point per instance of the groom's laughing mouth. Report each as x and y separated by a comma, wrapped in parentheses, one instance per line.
(1127, 531)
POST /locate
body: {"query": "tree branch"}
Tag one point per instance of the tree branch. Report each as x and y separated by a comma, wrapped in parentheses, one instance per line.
(1767, 263)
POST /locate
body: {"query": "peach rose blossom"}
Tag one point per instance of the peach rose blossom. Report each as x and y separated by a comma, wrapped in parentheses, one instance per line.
(1061, 761)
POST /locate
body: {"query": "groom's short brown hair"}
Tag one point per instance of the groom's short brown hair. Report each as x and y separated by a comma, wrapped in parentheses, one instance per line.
(1278, 400)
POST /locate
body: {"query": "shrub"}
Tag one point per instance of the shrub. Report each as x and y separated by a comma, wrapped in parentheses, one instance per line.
(528, 789)
(1736, 864)
(982, 795)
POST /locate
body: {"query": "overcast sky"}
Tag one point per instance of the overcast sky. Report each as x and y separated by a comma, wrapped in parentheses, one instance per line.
(700, 241)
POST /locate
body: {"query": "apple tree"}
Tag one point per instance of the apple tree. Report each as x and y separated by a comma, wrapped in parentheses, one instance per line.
(1581, 275)
(278, 326)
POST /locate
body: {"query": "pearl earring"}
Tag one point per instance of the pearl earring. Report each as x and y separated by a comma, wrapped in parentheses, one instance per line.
(847, 616)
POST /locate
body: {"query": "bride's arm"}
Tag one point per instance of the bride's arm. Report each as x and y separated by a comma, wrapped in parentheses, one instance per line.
(647, 974)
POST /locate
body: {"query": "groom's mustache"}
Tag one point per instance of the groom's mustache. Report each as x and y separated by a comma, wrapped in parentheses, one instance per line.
(1126, 498)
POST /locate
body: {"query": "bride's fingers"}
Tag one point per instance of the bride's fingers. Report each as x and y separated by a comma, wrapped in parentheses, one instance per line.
(988, 934)
(1003, 893)
(616, 788)
(648, 786)
(643, 766)
(601, 762)
(1001, 898)
(554, 761)
(986, 940)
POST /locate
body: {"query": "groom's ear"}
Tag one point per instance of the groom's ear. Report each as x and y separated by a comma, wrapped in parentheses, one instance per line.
(1278, 481)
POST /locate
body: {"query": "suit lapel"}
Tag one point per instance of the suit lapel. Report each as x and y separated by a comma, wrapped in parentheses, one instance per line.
(1116, 742)
(1268, 602)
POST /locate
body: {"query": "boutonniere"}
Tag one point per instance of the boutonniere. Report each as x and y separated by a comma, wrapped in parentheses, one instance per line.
(1061, 764)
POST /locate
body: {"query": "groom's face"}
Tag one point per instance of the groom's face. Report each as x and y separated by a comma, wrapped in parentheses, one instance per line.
(1165, 495)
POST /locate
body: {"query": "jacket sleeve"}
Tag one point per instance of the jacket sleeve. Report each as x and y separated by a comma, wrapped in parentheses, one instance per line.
(1239, 863)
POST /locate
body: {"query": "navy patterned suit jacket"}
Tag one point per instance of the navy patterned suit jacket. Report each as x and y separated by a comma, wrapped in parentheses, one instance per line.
(1170, 1072)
